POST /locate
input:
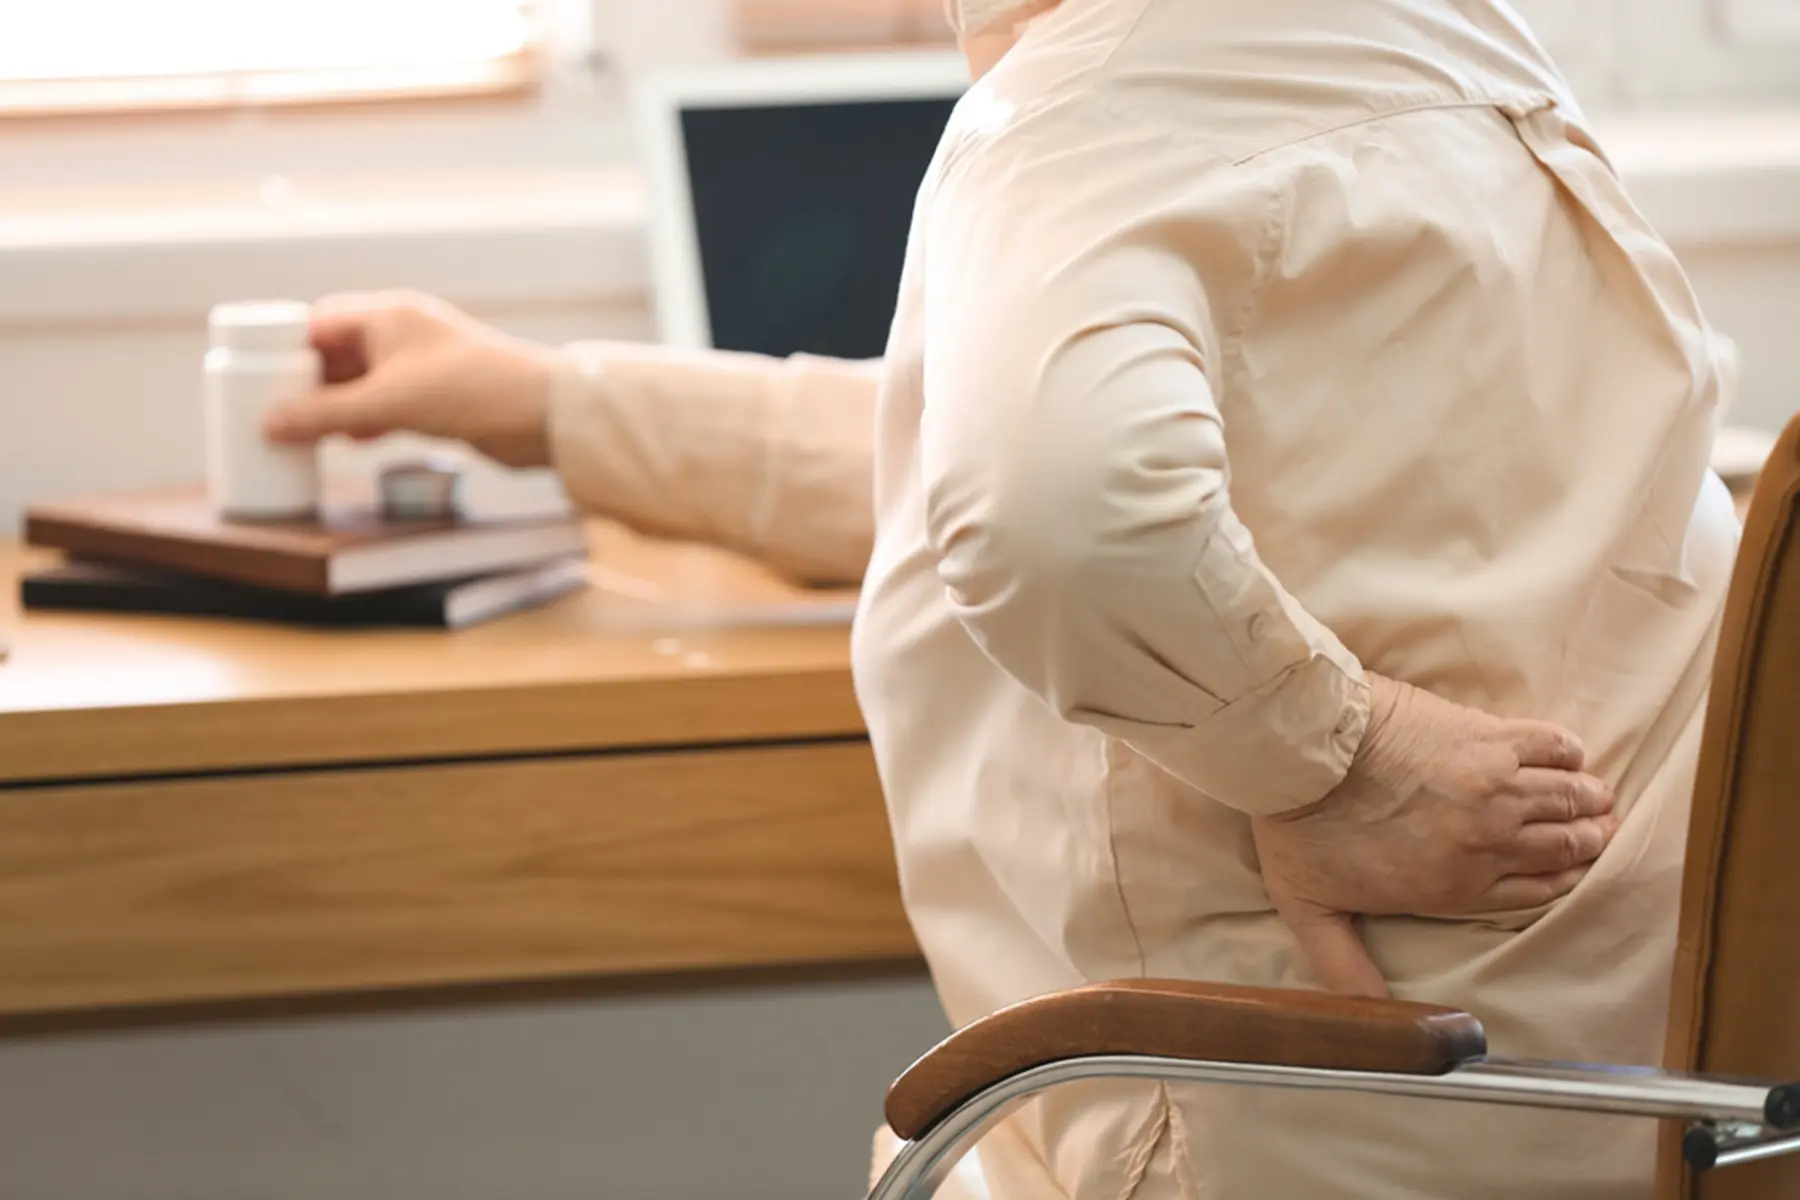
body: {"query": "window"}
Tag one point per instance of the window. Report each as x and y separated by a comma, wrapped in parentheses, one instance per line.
(782, 25)
(64, 56)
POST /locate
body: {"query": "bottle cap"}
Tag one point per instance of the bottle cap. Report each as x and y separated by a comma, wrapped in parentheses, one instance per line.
(421, 490)
(266, 326)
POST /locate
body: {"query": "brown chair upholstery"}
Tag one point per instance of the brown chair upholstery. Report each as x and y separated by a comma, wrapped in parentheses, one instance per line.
(1736, 1002)
(1736, 984)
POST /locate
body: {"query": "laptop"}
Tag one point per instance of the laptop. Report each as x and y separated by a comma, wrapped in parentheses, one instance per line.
(781, 195)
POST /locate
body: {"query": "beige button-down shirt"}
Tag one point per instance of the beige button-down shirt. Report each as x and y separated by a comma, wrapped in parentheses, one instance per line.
(1242, 347)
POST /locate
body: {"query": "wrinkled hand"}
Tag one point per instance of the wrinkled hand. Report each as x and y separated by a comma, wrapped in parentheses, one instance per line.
(1445, 811)
(397, 361)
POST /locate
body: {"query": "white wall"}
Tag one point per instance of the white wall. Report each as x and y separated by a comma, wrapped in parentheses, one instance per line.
(1658, 55)
(1725, 192)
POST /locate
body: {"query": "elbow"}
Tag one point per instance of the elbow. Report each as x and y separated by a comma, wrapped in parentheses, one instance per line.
(832, 559)
(1063, 496)
(1005, 530)
(1056, 524)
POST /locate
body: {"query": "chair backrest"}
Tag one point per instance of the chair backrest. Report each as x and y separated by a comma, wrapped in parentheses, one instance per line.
(1735, 1005)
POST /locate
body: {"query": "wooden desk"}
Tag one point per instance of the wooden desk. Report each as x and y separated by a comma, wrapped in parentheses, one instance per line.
(196, 813)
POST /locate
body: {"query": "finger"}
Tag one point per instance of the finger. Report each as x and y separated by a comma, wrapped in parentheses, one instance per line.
(367, 324)
(1541, 744)
(359, 409)
(1551, 847)
(343, 354)
(343, 365)
(339, 331)
(338, 328)
(340, 318)
(1532, 891)
(1546, 794)
(1334, 949)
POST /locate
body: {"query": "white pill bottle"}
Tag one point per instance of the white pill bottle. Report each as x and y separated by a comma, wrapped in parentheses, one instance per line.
(260, 355)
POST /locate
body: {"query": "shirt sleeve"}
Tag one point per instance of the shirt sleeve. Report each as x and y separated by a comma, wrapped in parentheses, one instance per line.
(771, 457)
(1075, 465)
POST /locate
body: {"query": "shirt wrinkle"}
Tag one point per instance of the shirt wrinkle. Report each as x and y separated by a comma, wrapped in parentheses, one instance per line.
(1110, 782)
(1144, 1145)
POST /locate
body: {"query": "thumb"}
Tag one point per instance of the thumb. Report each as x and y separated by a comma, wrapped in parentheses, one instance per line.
(361, 408)
(1332, 946)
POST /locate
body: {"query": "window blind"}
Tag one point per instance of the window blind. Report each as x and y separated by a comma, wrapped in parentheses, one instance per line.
(59, 56)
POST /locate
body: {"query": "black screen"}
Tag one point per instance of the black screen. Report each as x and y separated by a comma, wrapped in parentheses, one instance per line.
(802, 213)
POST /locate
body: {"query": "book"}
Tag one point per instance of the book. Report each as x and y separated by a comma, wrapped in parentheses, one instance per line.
(348, 547)
(76, 585)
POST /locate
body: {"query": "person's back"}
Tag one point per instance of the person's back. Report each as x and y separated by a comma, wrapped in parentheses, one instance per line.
(1468, 400)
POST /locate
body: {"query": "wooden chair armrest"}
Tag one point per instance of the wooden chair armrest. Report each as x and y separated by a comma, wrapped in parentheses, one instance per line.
(1203, 1022)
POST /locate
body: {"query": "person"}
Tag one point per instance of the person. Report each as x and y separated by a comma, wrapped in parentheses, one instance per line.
(1288, 548)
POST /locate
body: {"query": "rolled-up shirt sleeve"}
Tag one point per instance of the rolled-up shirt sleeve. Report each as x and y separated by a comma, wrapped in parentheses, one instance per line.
(773, 457)
(1075, 466)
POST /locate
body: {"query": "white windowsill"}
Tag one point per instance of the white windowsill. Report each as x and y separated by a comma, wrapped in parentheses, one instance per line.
(495, 239)
(524, 235)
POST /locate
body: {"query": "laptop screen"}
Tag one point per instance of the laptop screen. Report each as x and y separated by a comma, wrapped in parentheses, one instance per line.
(801, 214)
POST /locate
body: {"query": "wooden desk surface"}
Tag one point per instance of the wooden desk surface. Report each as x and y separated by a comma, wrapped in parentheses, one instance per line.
(675, 644)
(666, 774)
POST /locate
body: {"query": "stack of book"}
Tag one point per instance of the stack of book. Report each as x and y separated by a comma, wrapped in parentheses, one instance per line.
(170, 552)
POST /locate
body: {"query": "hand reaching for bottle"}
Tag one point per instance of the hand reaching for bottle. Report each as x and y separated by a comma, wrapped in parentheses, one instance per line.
(400, 361)
(1445, 811)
